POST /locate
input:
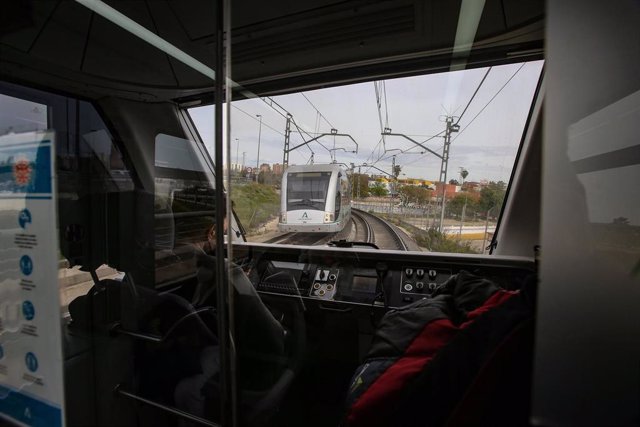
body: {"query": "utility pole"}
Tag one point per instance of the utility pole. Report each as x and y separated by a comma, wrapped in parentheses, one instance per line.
(464, 208)
(259, 116)
(451, 128)
(463, 175)
(287, 140)
(237, 148)
(359, 182)
(244, 153)
(393, 174)
(486, 228)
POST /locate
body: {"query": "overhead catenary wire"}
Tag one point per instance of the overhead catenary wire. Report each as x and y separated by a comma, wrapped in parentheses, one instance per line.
(481, 110)
(285, 113)
(380, 89)
(301, 131)
(257, 120)
(386, 107)
(373, 151)
(317, 110)
(474, 95)
(489, 102)
(420, 157)
(407, 150)
(459, 118)
(467, 107)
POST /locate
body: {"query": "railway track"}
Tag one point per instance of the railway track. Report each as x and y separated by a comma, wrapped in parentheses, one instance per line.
(304, 239)
(365, 228)
(384, 235)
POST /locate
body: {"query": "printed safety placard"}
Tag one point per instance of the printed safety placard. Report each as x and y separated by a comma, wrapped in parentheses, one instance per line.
(31, 368)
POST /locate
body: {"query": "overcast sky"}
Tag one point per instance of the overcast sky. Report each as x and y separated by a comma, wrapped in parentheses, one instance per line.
(416, 106)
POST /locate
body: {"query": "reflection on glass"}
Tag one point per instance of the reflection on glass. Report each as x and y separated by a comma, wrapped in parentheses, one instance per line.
(609, 168)
(19, 115)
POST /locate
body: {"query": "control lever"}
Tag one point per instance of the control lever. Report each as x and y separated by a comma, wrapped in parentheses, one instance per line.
(381, 271)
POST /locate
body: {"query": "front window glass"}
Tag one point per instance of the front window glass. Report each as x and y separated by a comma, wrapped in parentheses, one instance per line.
(307, 190)
(20, 115)
(432, 155)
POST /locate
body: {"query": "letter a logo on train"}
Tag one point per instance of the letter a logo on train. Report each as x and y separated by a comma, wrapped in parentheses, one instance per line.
(305, 216)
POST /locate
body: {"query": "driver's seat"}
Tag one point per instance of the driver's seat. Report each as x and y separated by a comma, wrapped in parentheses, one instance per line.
(268, 350)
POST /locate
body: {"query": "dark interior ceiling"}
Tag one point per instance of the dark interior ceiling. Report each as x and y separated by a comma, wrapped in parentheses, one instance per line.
(277, 46)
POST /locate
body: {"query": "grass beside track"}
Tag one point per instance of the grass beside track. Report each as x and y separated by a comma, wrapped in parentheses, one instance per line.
(432, 239)
(255, 204)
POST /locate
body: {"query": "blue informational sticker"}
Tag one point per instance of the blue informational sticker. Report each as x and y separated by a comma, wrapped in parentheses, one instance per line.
(28, 169)
(31, 361)
(31, 387)
(26, 265)
(28, 310)
(24, 218)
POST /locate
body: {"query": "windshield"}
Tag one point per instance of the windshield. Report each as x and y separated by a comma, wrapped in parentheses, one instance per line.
(429, 156)
(307, 190)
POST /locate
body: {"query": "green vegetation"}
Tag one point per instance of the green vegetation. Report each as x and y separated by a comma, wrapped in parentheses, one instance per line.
(419, 196)
(490, 198)
(432, 239)
(436, 241)
(270, 178)
(619, 235)
(492, 195)
(255, 204)
(359, 185)
(378, 190)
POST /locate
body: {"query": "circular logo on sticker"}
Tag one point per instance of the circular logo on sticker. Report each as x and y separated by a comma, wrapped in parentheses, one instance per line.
(31, 361)
(22, 171)
(28, 310)
(24, 218)
(26, 265)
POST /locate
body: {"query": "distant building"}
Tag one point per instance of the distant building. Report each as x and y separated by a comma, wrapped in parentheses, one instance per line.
(265, 167)
(450, 189)
(235, 167)
(471, 186)
(277, 168)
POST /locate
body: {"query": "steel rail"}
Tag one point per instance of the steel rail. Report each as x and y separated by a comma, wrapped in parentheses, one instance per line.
(398, 240)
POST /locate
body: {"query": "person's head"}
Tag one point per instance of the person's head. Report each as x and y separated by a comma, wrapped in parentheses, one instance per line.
(210, 238)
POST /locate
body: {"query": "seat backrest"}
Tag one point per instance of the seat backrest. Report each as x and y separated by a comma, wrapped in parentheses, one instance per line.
(260, 338)
(500, 395)
(467, 367)
(440, 347)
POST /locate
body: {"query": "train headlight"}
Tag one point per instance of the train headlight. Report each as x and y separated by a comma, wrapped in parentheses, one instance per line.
(283, 217)
(329, 217)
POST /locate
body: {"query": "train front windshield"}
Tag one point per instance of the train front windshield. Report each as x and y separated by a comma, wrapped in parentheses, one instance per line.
(307, 190)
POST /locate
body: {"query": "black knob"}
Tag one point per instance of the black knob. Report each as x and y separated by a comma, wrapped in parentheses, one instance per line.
(419, 286)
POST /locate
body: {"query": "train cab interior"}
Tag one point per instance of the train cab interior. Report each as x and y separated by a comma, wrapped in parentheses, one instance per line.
(172, 316)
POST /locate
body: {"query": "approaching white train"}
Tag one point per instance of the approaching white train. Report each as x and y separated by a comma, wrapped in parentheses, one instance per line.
(315, 199)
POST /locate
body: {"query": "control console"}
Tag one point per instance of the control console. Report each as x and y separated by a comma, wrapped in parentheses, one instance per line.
(333, 279)
(325, 283)
(417, 281)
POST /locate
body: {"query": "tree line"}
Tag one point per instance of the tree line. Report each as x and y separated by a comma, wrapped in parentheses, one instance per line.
(489, 198)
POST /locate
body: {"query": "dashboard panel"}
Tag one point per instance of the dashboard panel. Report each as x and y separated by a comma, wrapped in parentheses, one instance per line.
(342, 277)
